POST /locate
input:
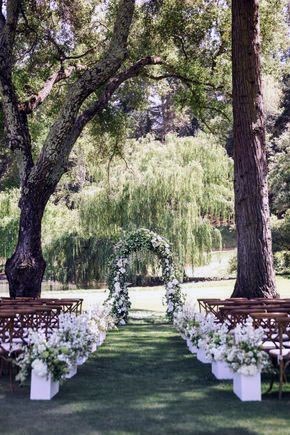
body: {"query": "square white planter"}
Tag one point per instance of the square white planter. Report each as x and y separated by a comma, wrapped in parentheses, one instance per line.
(191, 347)
(102, 337)
(72, 372)
(221, 370)
(247, 388)
(81, 360)
(42, 387)
(202, 357)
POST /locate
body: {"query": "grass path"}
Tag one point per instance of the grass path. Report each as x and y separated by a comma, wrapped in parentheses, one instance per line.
(142, 381)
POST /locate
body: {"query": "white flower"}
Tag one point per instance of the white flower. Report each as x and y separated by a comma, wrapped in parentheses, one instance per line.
(117, 286)
(40, 368)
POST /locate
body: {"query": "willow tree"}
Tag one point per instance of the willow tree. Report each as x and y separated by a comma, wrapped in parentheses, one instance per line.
(255, 273)
(185, 198)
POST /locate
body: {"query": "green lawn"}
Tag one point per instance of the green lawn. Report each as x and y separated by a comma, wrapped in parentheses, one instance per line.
(143, 380)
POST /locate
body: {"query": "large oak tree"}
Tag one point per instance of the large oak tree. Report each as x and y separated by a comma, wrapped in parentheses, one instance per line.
(39, 178)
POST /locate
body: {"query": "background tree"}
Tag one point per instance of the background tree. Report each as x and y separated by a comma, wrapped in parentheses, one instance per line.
(255, 272)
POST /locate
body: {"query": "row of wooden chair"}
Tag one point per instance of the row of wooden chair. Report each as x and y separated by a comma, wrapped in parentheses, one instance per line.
(19, 315)
(69, 305)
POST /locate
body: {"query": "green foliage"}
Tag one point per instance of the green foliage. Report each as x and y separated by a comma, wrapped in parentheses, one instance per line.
(72, 258)
(281, 233)
(282, 262)
(178, 189)
(279, 175)
(181, 188)
(9, 216)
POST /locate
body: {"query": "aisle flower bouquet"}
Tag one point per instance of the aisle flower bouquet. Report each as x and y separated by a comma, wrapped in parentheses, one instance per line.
(183, 318)
(207, 326)
(101, 318)
(246, 355)
(44, 356)
(219, 342)
(76, 332)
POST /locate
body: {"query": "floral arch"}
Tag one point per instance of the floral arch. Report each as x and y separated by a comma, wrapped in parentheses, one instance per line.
(135, 241)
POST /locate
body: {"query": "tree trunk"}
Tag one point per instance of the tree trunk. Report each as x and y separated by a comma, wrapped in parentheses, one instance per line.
(26, 267)
(255, 274)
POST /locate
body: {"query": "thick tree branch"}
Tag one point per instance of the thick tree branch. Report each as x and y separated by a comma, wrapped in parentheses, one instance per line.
(50, 164)
(16, 128)
(5, 162)
(112, 86)
(13, 9)
(187, 80)
(36, 100)
(109, 89)
(2, 17)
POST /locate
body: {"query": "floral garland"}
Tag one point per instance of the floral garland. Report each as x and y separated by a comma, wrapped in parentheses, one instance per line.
(118, 287)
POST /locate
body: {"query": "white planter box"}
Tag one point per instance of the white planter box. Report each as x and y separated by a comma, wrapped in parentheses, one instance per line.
(81, 360)
(247, 388)
(201, 356)
(102, 337)
(42, 388)
(221, 370)
(72, 372)
(191, 347)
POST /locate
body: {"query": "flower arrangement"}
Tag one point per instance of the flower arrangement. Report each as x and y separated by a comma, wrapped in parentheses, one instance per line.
(77, 333)
(141, 239)
(183, 317)
(73, 341)
(220, 341)
(101, 320)
(207, 326)
(44, 355)
(246, 356)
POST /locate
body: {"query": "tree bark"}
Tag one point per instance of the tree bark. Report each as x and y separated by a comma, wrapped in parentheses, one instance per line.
(255, 273)
(26, 267)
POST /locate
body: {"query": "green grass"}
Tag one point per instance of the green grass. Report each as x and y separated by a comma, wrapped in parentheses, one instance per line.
(143, 380)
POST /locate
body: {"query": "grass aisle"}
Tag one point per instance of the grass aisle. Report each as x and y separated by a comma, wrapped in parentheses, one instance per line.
(142, 380)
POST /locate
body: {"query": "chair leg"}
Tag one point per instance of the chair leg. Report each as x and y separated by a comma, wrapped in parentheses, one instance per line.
(11, 377)
(271, 384)
(281, 378)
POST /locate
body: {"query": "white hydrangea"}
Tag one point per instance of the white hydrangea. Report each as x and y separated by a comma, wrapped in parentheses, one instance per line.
(246, 355)
(40, 368)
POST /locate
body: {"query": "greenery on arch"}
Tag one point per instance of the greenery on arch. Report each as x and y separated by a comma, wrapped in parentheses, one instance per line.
(118, 287)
